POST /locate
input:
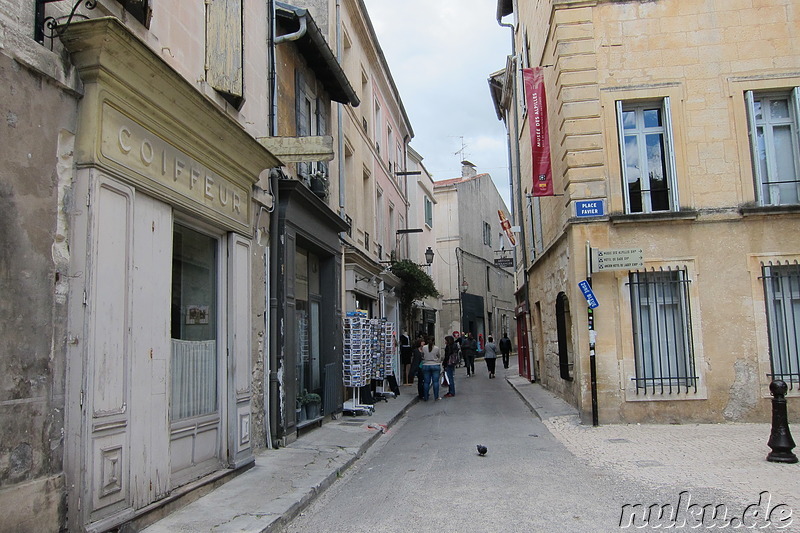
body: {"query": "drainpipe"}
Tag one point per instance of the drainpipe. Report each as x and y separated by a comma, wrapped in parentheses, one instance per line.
(515, 172)
(339, 110)
(514, 129)
(274, 281)
(296, 35)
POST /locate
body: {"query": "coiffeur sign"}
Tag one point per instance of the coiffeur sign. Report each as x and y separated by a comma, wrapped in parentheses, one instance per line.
(540, 137)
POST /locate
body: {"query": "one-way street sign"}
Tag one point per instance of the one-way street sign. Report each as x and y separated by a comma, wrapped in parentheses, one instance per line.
(586, 289)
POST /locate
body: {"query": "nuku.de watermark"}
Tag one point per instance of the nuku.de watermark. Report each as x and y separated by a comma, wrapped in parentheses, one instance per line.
(685, 514)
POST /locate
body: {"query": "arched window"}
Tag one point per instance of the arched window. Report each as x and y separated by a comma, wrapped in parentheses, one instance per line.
(564, 330)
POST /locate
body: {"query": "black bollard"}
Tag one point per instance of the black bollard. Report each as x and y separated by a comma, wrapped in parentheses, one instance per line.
(780, 438)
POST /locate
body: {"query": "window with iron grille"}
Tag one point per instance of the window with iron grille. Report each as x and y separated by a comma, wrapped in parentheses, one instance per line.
(774, 120)
(782, 299)
(662, 331)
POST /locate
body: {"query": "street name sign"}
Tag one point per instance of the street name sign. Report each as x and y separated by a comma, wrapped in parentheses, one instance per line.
(504, 262)
(589, 208)
(617, 259)
(586, 289)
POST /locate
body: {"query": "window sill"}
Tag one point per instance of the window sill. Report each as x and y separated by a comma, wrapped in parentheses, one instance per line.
(767, 210)
(661, 216)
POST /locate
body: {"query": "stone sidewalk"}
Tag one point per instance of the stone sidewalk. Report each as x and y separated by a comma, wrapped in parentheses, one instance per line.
(730, 457)
(284, 481)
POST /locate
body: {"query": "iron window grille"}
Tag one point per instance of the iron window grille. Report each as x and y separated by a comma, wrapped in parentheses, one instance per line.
(782, 300)
(662, 331)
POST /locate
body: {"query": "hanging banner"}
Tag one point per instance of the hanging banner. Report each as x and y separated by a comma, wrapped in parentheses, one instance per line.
(540, 137)
(506, 225)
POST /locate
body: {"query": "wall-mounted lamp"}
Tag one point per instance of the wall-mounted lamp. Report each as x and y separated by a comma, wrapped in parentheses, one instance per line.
(373, 280)
(464, 286)
(429, 255)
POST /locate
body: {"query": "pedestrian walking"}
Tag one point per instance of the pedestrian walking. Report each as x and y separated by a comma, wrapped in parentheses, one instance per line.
(505, 349)
(468, 352)
(416, 365)
(457, 340)
(431, 368)
(451, 357)
(405, 357)
(490, 355)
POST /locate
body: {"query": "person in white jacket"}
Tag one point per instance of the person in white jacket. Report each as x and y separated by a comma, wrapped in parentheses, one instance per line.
(431, 368)
(490, 355)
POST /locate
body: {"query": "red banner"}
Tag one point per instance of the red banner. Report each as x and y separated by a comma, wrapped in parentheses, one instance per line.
(540, 136)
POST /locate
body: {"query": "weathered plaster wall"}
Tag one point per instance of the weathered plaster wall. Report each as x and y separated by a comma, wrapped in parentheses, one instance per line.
(35, 178)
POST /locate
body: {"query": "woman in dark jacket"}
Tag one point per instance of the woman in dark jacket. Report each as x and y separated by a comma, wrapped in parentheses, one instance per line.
(469, 349)
(451, 358)
(416, 361)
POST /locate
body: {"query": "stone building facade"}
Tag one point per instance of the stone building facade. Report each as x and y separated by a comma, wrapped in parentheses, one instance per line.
(174, 225)
(477, 294)
(679, 120)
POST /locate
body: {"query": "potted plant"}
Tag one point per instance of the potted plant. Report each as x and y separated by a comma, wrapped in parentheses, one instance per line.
(300, 410)
(312, 402)
(319, 184)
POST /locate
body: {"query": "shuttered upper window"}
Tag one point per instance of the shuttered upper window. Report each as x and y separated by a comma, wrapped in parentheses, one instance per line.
(224, 49)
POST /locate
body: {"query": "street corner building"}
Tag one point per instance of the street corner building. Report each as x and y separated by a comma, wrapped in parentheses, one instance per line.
(655, 154)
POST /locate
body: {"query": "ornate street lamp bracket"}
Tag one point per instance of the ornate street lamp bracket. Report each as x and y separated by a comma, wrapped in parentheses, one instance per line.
(50, 27)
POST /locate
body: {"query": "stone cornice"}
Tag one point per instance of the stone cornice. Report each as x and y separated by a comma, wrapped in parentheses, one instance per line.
(142, 85)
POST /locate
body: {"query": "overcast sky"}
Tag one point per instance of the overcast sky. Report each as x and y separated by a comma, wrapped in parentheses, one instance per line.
(441, 54)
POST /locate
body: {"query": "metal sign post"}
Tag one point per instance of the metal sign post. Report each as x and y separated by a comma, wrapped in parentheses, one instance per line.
(592, 334)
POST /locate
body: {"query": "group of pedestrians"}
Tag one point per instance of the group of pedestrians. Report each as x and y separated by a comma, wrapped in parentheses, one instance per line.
(425, 361)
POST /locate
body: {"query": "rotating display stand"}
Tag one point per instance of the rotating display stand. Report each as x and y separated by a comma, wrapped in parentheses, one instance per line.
(357, 360)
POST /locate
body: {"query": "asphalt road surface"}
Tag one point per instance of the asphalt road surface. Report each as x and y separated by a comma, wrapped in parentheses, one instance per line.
(426, 475)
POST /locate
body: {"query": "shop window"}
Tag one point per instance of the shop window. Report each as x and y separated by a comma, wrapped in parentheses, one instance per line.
(647, 155)
(782, 298)
(774, 120)
(224, 49)
(193, 324)
(662, 331)
(307, 315)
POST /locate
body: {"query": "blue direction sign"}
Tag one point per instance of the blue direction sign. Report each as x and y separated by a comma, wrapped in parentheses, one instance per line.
(591, 299)
(589, 208)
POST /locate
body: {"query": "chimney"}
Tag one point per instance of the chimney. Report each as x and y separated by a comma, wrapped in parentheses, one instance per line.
(468, 170)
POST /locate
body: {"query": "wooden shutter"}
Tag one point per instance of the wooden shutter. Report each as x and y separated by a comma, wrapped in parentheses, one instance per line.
(224, 49)
(301, 114)
(322, 129)
(752, 131)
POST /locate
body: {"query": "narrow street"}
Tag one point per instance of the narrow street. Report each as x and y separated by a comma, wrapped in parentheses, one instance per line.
(425, 474)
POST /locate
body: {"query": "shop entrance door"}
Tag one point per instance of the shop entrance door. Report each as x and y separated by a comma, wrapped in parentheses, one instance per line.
(195, 419)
